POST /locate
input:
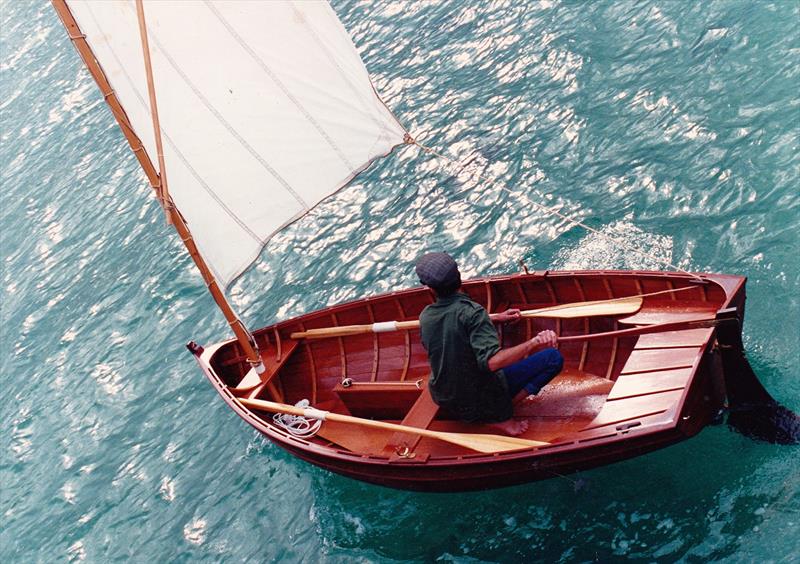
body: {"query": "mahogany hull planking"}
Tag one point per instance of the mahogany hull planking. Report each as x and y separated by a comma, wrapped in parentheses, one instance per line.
(617, 398)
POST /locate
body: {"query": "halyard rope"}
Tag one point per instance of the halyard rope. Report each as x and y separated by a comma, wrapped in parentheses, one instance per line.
(552, 211)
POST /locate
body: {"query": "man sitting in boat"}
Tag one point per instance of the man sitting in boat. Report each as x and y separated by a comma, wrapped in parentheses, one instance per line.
(471, 375)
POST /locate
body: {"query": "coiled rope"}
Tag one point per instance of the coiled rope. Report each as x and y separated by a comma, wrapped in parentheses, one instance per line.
(297, 425)
(551, 211)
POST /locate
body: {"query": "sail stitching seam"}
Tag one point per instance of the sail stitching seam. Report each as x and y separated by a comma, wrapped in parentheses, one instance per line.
(280, 85)
(202, 182)
(382, 130)
(242, 141)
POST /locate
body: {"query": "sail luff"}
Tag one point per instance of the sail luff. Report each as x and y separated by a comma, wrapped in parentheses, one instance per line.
(243, 335)
(109, 95)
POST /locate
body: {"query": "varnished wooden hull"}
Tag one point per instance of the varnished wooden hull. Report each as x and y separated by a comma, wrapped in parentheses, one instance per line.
(616, 399)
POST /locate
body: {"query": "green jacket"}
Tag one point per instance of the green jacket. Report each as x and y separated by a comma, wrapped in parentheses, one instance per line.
(460, 339)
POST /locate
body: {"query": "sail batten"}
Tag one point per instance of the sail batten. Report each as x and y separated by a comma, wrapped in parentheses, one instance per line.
(266, 109)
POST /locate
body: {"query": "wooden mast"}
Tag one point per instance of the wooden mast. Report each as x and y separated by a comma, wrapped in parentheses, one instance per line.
(161, 189)
(157, 182)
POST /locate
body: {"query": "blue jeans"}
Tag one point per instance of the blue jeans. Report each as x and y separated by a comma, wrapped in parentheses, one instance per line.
(533, 373)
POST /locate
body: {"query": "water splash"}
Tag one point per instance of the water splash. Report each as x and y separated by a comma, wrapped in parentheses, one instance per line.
(601, 251)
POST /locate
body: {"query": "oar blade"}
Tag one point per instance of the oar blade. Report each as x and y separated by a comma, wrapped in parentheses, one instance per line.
(489, 444)
(624, 306)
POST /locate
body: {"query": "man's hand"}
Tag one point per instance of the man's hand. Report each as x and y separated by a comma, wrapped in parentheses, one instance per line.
(508, 316)
(545, 339)
(507, 357)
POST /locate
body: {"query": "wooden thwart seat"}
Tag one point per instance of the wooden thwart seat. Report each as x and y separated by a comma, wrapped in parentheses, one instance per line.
(407, 401)
(421, 414)
(379, 400)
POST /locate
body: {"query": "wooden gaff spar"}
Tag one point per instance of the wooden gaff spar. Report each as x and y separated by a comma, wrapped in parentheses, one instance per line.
(250, 102)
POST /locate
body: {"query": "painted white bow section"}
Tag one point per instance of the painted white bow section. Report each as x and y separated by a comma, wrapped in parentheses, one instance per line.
(266, 109)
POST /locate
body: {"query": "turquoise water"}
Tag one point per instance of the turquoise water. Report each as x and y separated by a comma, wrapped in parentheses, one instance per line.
(674, 125)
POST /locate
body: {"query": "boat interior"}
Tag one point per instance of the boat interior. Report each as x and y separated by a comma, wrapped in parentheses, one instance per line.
(607, 386)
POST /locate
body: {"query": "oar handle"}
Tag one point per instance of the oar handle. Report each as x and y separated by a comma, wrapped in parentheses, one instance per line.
(347, 330)
(341, 331)
(275, 407)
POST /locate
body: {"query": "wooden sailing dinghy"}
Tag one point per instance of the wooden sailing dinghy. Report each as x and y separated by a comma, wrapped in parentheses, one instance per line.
(620, 395)
(260, 110)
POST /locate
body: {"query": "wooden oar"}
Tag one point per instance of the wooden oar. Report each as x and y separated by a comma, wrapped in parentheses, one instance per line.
(696, 323)
(616, 306)
(473, 441)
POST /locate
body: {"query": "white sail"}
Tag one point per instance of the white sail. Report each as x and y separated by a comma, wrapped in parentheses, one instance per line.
(266, 109)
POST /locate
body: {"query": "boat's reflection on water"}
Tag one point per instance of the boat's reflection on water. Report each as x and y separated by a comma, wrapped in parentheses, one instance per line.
(752, 410)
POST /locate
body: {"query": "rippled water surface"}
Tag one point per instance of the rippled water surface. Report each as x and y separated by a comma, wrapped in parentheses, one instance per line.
(673, 125)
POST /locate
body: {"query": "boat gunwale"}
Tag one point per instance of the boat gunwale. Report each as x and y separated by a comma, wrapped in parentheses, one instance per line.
(544, 274)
